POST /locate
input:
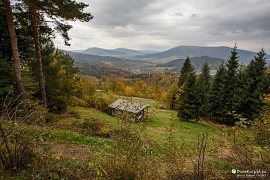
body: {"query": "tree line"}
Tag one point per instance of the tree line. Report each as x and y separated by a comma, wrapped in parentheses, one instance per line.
(158, 86)
(233, 93)
(27, 53)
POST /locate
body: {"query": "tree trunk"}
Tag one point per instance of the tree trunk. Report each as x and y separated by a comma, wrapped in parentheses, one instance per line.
(38, 54)
(15, 52)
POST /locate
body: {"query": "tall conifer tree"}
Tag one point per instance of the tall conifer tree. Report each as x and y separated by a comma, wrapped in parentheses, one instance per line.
(187, 68)
(231, 84)
(203, 87)
(68, 10)
(217, 95)
(255, 83)
(188, 105)
(15, 52)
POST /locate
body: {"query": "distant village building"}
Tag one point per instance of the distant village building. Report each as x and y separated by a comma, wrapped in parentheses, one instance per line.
(134, 111)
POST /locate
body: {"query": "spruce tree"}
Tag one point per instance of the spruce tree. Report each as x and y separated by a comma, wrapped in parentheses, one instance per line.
(60, 74)
(231, 85)
(217, 95)
(255, 84)
(242, 93)
(203, 87)
(187, 68)
(188, 104)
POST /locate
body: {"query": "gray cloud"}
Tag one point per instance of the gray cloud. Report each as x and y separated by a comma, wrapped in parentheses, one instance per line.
(179, 14)
(194, 15)
(162, 24)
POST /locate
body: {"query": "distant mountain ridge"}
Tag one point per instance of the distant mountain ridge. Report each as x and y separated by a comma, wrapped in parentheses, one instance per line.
(182, 52)
(172, 59)
(198, 62)
(133, 66)
(118, 52)
(179, 52)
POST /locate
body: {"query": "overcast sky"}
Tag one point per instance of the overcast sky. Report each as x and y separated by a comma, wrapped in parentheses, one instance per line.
(163, 24)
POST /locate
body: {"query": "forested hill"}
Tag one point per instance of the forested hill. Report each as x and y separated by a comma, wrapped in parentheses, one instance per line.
(198, 62)
(197, 51)
(119, 52)
(179, 52)
(106, 60)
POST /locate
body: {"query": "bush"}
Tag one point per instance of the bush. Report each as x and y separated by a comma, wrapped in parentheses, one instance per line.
(75, 101)
(17, 148)
(46, 166)
(261, 128)
(132, 156)
(262, 124)
(91, 127)
(51, 118)
(58, 105)
(98, 103)
(17, 142)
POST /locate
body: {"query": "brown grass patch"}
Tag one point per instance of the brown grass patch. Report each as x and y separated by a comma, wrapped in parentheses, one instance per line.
(78, 153)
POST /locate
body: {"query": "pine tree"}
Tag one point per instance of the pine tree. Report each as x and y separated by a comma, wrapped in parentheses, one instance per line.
(25, 45)
(188, 104)
(6, 80)
(70, 10)
(15, 52)
(59, 13)
(203, 88)
(217, 95)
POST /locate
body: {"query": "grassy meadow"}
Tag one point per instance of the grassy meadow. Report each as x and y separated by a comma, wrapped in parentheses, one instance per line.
(95, 144)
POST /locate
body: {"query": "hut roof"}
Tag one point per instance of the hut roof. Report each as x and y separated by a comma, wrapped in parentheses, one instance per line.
(133, 107)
